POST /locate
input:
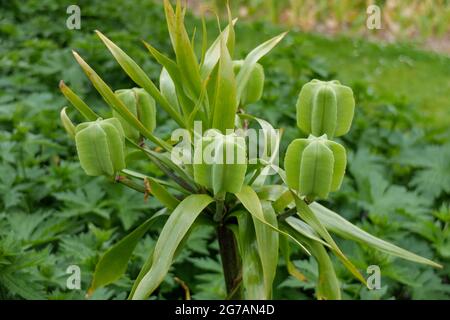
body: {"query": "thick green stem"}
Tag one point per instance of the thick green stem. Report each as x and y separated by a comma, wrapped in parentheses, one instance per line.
(230, 261)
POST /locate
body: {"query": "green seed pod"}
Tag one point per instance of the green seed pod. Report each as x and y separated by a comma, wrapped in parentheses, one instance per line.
(100, 146)
(325, 108)
(255, 86)
(142, 105)
(315, 166)
(220, 162)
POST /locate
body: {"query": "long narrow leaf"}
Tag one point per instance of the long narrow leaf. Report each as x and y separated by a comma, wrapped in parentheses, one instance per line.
(112, 100)
(176, 227)
(327, 286)
(310, 218)
(286, 251)
(337, 224)
(225, 105)
(267, 240)
(250, 61)
(174, 72)
(213, 54)
(78, 103)
(163, 196)
(113, 263)
(249, 199)
(252, 270)
(139, 77)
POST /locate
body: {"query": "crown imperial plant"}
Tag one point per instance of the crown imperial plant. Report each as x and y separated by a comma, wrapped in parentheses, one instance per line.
(256, 217)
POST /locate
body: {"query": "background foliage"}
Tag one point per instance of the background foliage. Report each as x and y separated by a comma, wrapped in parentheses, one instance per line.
(53, 216)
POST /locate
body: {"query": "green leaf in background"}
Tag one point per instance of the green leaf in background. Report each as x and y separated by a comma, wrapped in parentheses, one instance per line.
(113, 263)
(176, 227)
(335, 223)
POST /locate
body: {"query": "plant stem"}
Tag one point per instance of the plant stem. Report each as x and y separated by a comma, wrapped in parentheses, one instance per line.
(219, 210)
(230, 261)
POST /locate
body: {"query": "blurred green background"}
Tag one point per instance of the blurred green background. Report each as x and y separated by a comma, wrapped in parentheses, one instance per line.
(398, 182)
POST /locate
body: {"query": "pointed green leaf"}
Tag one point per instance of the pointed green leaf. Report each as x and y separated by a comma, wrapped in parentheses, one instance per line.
(225, 103)
(250, 61)
(251, 202)
(167, 88)
(176, 227)
(286, 251)
(112, 100)
(174, 74)
(213, 54)
(139, 77)
(267, 240)
(79, 104)
(328, 287)
(337, 224)
(252, 271)
(310, 218)
(113, 263)
(67, 123)
(163, 195)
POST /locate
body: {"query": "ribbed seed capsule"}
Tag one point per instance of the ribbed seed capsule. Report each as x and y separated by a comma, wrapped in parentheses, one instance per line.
(325, 108)
(220, 162)
(315, 166)
(255, 86)
(100, 146)
(142, 105)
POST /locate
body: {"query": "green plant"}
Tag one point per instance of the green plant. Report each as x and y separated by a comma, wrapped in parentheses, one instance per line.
(254, 215)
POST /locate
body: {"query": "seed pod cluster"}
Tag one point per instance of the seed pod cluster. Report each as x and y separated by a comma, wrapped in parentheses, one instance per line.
(315, 166)
(100, 146)
(141, 104)
(220, 162)
(255, 85)
(325, 107)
